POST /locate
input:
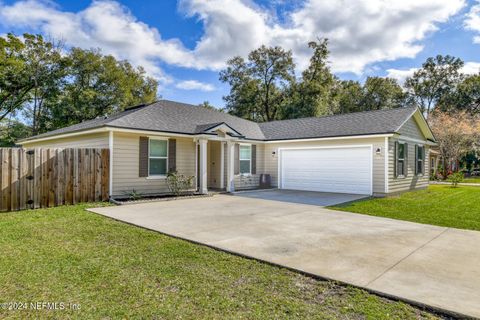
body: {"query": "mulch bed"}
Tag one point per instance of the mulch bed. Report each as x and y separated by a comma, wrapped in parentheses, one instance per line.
(164, 197)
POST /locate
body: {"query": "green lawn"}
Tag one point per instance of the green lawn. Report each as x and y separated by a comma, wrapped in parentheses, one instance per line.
(472, 180)
(439, 205)
(114, 270)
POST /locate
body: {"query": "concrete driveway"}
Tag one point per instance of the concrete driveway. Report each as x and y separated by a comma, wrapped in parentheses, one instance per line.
(422, 263)
(303, 197)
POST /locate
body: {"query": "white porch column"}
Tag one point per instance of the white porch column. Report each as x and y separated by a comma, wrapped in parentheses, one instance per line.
(230, 166)
(203, 166)
(222, 165)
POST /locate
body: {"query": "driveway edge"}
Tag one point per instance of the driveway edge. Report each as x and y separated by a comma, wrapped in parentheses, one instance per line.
(433, 309)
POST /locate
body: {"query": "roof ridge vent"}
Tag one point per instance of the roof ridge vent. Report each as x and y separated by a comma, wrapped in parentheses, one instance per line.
(135, 107)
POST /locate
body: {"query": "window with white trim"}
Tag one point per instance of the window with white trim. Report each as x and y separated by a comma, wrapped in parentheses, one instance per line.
(157, 157)
(420, 159)
(245, 159)
(401, 167)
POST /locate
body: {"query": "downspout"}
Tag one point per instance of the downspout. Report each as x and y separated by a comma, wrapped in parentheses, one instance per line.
(386, 165)
(110, 147)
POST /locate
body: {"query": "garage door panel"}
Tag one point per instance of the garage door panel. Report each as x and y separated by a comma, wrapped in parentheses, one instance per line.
(346, 170)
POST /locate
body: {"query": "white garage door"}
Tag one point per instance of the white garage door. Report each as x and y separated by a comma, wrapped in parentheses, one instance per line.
(343, 170)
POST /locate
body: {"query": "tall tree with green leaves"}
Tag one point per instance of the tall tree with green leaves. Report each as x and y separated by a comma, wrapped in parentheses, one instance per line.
(15, 82)
(12, 130)
(437, 78)
(47, 69)
(316, 93)
(350, 96)
(466, 97)
(99, 85)
(208, 105)
(376, 93)
(259, 86)
(382, 93)
(53, 88)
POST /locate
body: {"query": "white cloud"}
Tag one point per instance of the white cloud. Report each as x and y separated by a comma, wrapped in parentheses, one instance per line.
(195, 85)
(361, 32)
(469, 68)
(472, 21)
(104, 24)
(400, 75)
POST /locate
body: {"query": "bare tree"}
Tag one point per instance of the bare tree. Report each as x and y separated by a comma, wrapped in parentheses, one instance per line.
(456, 134)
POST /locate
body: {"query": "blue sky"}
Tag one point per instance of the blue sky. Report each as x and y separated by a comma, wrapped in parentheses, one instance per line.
(185, 43)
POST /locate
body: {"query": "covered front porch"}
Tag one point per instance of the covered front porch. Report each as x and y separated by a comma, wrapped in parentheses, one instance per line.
(225, 164)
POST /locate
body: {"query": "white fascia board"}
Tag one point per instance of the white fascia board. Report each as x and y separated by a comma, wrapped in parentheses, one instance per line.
(421, 122)
(210, 137)
(64, 135)
(333, 138)
(408, 139)
(149, 132)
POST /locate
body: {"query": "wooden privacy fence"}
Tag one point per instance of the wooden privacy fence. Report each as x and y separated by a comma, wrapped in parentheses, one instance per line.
(39, 178)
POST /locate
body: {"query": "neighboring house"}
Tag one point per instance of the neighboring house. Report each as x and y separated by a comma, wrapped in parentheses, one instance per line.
(434, 160)
(373, 153)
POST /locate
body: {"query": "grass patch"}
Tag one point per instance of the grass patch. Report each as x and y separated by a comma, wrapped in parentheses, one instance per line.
(114, 270)
(439, 205)
(472, 180)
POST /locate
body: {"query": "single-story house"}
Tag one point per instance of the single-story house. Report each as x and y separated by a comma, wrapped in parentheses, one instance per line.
(373, 153)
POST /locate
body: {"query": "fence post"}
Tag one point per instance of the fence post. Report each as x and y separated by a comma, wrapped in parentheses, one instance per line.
(5, 183)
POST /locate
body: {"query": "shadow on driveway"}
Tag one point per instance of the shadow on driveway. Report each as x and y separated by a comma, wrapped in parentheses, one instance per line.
(322, 199)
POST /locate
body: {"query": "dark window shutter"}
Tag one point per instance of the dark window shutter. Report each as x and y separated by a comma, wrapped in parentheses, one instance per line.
(395, 159)
(254, 159)
(172, 155)
(143, 157)
(423, 159)
(236, 167)
(406, 160)
(416, 159)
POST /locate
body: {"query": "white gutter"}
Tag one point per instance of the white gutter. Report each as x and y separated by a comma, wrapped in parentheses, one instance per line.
(104, 129)
(386, 164)
(64, 135)
(408, 139)
(152, 132)
(210, 137)
(332, 138)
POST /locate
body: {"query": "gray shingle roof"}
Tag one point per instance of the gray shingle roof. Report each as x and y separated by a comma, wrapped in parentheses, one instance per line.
(167, 116)
(175, 117)
(357, 123)
(205, 127)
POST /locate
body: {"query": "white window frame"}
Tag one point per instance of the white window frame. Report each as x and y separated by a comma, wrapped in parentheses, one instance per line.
(405, 164)
(157, 176)
(417, 159)
(240, 159)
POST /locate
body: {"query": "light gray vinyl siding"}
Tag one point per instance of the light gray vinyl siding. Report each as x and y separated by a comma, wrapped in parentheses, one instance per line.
(409, 130)
(270, 160)
(243, 182)
(126, 165)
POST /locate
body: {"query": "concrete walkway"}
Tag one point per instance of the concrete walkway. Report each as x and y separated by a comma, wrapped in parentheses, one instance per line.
(470, 184)
(426, 264)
